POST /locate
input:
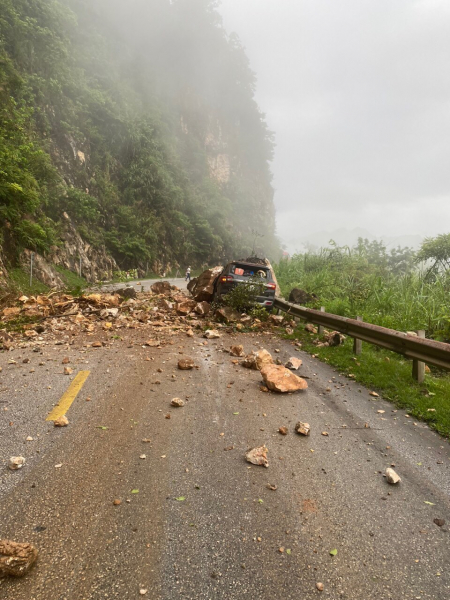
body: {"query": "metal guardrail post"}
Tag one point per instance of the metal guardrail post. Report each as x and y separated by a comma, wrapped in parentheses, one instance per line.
(418, 371)
(320, 330)
(357, 344)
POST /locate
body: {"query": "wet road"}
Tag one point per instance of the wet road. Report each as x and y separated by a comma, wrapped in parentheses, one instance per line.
(195, 520)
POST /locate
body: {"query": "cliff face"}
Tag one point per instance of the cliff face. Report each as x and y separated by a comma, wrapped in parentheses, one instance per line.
(129, 137)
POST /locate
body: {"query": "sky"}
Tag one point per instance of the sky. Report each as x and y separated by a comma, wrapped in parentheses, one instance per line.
(357, 93)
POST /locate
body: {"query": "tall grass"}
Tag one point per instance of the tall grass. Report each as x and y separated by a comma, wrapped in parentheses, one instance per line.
(384, 289)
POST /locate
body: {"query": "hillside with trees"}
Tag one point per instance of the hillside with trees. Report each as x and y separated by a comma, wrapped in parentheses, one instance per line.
(133, 127)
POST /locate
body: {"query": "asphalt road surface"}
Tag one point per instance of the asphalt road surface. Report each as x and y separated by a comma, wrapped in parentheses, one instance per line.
(196, 521)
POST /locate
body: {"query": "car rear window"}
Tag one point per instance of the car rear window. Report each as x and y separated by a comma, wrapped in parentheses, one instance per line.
(250, 271)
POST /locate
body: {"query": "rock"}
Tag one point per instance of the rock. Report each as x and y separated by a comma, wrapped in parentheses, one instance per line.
(12, 312)
(310, 328)
(276, 319)
(16, 559)
(42, 270)
(391, 476)
(16, 462)
(184, 308)
(5, 340)
(126, 293)
(117, 502)
(29, 439)
(439, 522)
(161, 287)
(302, 428)
(190, 333)
(62, 421)
(165, 304)
(289, 331)
(177, 402)
(191, 285)
(202, 288)
(293, 363)
(65, 360)
(202, 308)
(211, 334)
(320, 586)
(226, 314)
(258, 456)
(237, 350)
(280, 379)
(68, 371)
(334, 338)
(186, 363)
(257, 360)
(298, 296)
(283, 430)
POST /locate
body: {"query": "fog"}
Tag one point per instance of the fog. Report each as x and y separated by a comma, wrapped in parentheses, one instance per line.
(357, 94)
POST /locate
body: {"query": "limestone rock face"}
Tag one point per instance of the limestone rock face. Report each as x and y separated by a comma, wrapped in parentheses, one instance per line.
(203, 288)
(280, 379)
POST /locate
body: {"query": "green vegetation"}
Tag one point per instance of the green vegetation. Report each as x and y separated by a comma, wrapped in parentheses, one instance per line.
(385, 288)
(390, 375)
(115, 113)
(21, 281)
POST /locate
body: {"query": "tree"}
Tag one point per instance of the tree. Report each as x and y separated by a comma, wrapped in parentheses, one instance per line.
(436, 250)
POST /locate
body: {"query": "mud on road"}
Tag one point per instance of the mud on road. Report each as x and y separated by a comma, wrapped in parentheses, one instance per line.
(195, 520)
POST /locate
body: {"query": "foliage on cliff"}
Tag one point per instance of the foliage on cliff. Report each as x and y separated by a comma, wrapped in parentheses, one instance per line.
(138, 120)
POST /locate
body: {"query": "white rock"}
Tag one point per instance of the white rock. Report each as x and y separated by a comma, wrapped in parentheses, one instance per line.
(16, 462)
(391, 476)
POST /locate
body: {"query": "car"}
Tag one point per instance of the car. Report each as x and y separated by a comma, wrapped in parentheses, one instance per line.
(246, 273)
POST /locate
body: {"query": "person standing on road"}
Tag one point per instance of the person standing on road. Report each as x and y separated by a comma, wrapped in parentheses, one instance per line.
(188, 274)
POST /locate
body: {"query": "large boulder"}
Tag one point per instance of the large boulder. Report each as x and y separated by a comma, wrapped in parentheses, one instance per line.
(280, 379)
(127, 292)
(161, 287)
(298, 296)
(203, 288)
(202, 308)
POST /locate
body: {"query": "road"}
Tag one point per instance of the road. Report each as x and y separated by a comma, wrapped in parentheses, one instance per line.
(196, 521)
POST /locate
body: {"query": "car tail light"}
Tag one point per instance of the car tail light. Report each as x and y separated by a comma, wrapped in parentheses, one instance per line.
(271, 286)
(227, 278)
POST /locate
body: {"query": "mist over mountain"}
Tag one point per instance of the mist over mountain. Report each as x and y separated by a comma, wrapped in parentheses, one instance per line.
(129, 130)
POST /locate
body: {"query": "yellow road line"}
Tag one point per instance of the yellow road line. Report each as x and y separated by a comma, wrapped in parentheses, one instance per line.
(69, 396)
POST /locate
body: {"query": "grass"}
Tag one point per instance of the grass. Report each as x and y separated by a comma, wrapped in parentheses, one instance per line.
(72, 281)
(21, 280)
(389, 374)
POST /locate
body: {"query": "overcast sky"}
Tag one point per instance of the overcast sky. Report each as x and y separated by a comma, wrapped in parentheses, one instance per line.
(358, 95)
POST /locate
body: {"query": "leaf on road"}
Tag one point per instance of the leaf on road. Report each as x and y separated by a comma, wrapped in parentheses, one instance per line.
(101, 427)
(236, 413)
(181, 498)
(288, 551)
(260, 500)
(430, 503)
(135, 491)
(333, 552)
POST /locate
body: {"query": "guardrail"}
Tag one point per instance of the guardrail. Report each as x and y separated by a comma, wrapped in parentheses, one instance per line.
(418, 348)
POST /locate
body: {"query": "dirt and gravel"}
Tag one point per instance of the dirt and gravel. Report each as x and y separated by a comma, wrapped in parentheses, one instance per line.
(138, 498)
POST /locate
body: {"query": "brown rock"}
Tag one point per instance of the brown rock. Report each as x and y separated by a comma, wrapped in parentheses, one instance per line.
(68, 371)
(310, 327)
(65, 360)
(237, 350)
(97, 345)
(184, 308)
(283, 430)
(320, 586)
(280, 379)
(16, 462)
(293, 363)
(258, 456)
(161, 287)
(276, 319)
(257, 360)
(302, 428)
(165, 304)
(61, 421)
(186, 363)
(202, 308)
(16, 559)
(334, 338)
(211, 334)
(226, 314)
(202, 288)
(177, 402)
(117, 502)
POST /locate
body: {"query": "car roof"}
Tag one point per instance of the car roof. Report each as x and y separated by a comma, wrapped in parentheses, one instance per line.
(247, 264)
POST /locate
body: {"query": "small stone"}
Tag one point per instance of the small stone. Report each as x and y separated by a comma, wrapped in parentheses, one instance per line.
(302, 428)
(439, 522)
(185, 364)
(258, 456)
(237, 350)
(117, 502)
(283, 430)
(320, 586)
(374, 394)
(143, 591)
(211, 334)
(29, 439)
(68, 371)
(177, 402)
(97, 345)
(391, 476)
(143, 457)
(16, 462)
(293, 363)
(65, 360)
(62, 421)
